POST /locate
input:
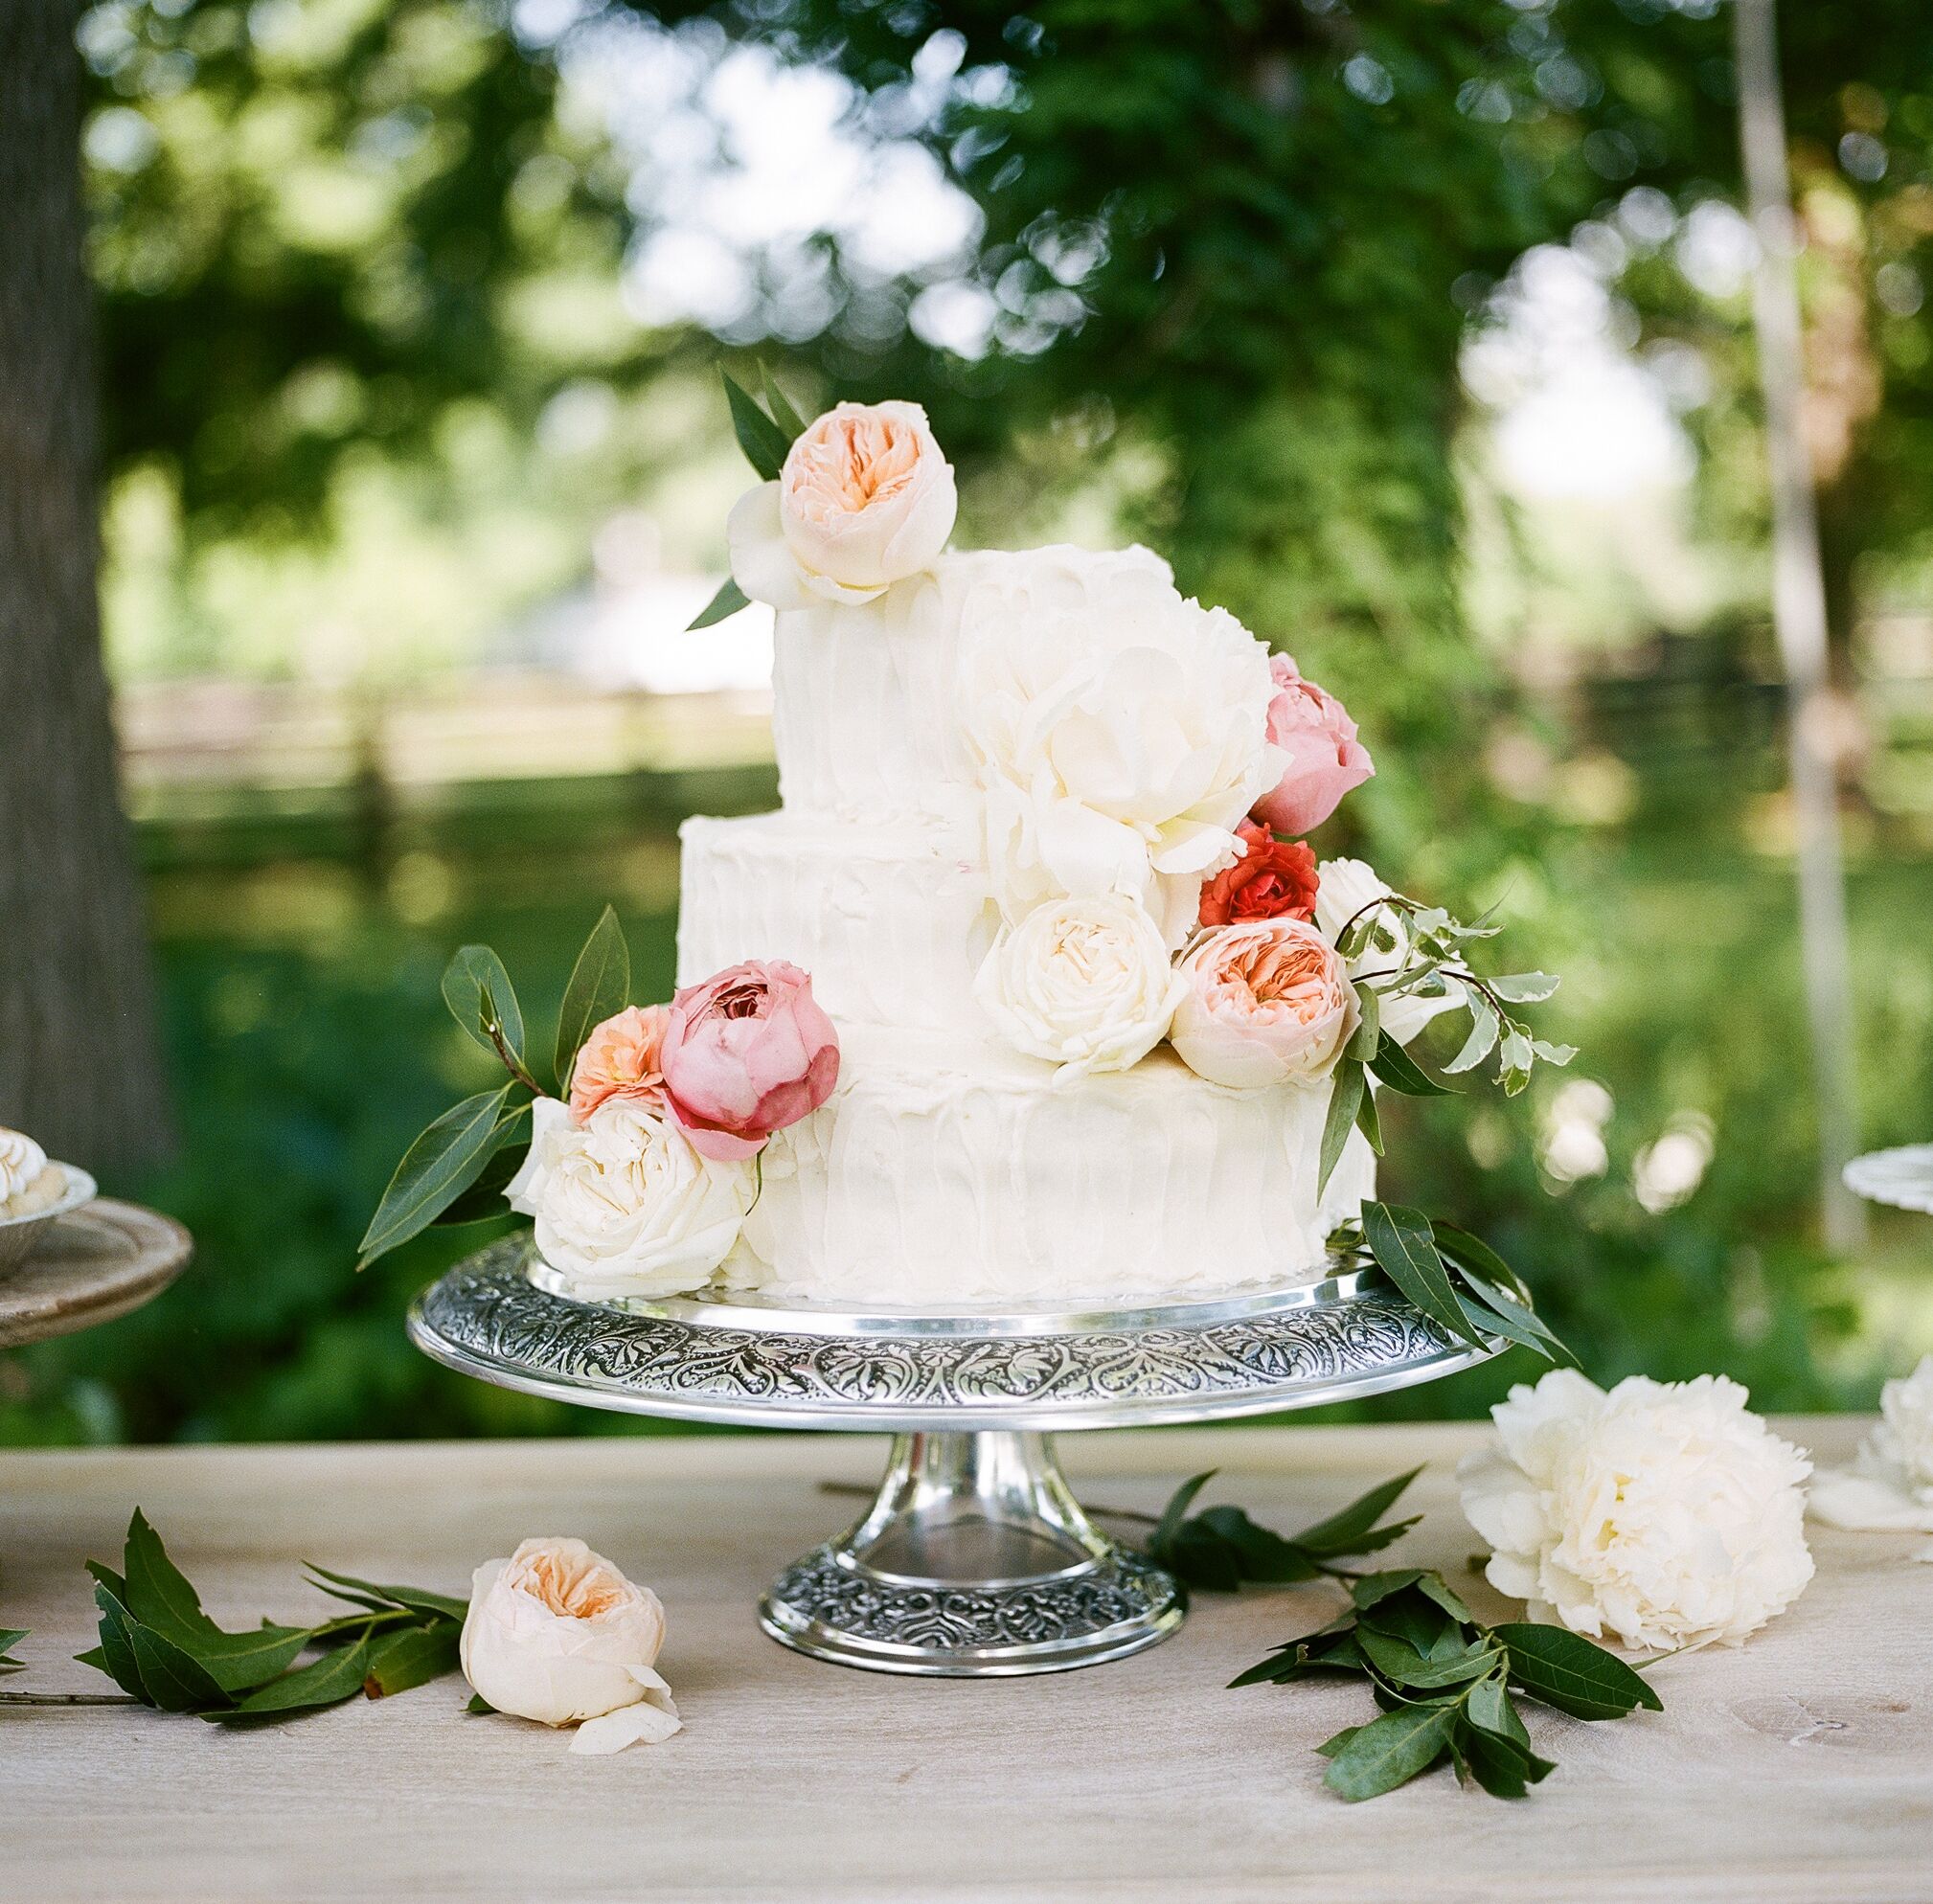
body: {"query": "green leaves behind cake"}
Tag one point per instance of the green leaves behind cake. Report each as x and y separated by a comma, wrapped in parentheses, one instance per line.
(1446, 1686)
(456, 1168)
(159, 1647)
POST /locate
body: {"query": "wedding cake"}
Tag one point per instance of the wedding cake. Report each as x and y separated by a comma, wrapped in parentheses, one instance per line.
(1087, 998)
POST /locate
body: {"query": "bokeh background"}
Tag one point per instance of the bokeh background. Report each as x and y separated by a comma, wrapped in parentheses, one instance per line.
(1417, 336)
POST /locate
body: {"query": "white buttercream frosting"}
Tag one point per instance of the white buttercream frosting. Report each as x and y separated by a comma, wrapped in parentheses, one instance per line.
(28, 1181)
(949, 1168)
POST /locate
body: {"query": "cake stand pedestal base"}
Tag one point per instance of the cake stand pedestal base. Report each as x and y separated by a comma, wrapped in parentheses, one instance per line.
(975, 1560)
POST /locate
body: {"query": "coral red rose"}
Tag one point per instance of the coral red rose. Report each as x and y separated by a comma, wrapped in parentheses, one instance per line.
(745, 1053)
(1273, 879)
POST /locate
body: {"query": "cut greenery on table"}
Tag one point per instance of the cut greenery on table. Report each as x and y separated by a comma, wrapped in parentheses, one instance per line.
(1447, 1684)
(456, 1170)
(10, 1638)
(161, 1648)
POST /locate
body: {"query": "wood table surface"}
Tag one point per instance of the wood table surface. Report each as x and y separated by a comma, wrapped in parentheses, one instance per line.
(1800, 1767)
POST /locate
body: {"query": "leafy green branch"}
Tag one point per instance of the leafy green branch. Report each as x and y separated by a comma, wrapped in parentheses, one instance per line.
(456, 1169)
(162, 1649)
(1445, 1682)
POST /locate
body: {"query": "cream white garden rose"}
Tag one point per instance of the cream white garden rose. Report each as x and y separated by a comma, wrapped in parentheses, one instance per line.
(623, 1204)
(865, 500)
(28, 1181)
(557, 1634)
(1084, 984)
(1119, 729)
(1663, 1514)
(1889, 1486)
(1345, 887)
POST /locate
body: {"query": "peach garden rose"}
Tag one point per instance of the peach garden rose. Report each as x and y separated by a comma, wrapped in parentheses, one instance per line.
(1266, 1002)
(864, 499)
(620, 1059)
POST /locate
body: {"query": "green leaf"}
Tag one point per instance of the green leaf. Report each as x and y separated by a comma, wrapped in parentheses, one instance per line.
(117, 1642)
(10, 1638)
(1566, 1671)
(1345, 1530)
(368, 1593)
(1483, 1035)
(1489, 1705)
(175, 1680)
(728, 601)
(1525, 987)
(485, 1198)
(479, 1704)
(1367, 1120)
(336, 1676)
(158, 1593)
(1503, 1768)
(413, 1656)
(1259, 1555)
(482, 1000)
(599, 987)
(1363, 1040)
(1389, 1751)
(436, 1169)
(1506, 1318)
(779, 405)
(763, 440)
(1344, 1094)
(1401, 1665)
(1402, 1073)
(1336, 1742)
(1399, 1238)
(1433, 1586)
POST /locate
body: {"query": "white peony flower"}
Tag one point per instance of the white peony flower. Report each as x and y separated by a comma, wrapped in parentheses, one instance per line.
(1084, 984)
(1119, 733)
(557, 1634)
(1889, 1486)
(623, 1204)
(1344, 888)
(1663, 1514)
(865, 500)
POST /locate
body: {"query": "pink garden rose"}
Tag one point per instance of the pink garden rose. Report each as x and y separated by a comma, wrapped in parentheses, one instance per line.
(1273, 879)
(1267, 1003)
(745, 1053)
(620, 1059)
(1325, 757)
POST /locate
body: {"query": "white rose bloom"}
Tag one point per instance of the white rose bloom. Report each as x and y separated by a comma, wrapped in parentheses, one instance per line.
(1084, 984)
(866, 499)
(557, 1634)
(1119, 733)
(1663, 1514)
(1889, 1487)
(623, 1204)
(1344, 888)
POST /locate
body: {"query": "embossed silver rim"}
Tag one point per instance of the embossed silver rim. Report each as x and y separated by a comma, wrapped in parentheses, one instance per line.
(487, 1319)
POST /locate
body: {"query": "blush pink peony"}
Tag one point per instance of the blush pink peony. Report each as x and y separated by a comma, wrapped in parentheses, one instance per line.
(1267, 1002)
(620, 1059)
(745, 1053)
(1325, 757)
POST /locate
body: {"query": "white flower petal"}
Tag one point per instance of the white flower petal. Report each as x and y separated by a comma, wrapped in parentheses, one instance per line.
(643, 1722)
(1867, 1502)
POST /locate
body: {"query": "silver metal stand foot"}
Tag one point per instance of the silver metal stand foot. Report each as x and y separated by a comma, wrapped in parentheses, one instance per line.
(975, 1560)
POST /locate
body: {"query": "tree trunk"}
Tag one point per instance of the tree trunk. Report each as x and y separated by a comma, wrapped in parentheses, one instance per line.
(79, 1068)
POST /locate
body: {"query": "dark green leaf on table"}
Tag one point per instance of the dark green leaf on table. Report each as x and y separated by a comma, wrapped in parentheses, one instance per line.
(1222, 1548)
(417, 1599)
(413, 1656)
(1566, 1671)
(10, 1638)
(336, 1676)
(1389, 1751)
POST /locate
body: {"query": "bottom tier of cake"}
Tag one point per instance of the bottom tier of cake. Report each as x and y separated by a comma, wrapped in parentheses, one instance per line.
(934, 1182)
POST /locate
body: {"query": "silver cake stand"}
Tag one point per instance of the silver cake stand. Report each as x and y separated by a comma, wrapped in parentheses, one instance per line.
(974, 1559)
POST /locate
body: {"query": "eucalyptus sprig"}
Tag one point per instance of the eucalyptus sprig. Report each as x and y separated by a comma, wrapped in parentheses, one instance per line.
(161, 1648)
(455, 1171)
(1445, 1684)
(1426, 948)
(766, 436)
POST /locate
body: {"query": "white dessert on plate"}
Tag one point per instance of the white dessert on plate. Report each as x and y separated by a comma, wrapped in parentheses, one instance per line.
(30, 1183)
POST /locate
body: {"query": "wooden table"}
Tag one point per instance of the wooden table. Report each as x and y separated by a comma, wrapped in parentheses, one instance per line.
(1800, 1768)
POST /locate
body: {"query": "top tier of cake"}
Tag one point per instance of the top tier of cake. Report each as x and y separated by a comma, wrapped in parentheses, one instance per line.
(868, 715)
